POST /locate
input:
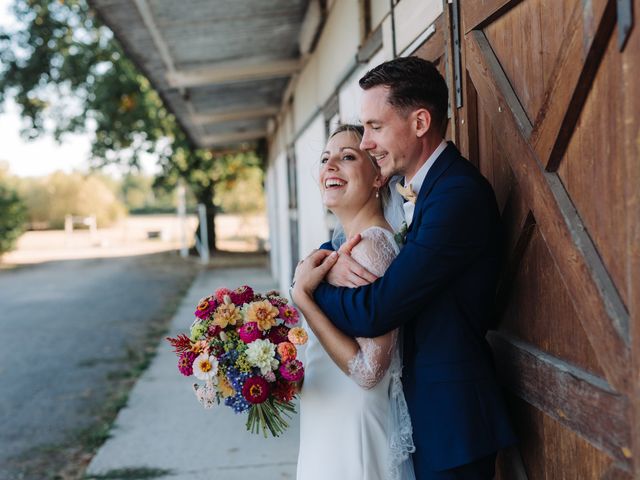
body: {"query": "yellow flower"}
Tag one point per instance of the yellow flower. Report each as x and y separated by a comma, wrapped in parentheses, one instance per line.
(298, 336)
(224, 386)
(263, 313)
(227, 314)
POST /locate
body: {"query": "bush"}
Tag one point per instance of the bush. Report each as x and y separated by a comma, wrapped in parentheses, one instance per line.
(12, 218)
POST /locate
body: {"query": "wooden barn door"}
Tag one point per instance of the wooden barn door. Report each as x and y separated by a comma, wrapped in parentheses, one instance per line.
(549, 110)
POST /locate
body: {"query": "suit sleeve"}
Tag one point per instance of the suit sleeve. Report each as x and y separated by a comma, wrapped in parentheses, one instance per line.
(457, 219)
(326, 246)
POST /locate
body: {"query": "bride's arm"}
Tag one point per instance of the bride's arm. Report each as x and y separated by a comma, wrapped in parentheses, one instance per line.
(365, 360)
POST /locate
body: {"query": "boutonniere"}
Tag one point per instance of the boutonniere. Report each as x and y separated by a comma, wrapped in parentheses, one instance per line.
(401, 235)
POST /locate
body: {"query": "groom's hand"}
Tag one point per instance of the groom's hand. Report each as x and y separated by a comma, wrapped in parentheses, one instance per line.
(347, 272)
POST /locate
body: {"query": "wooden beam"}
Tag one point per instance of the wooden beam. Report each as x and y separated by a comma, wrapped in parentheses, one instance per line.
(233, 71)
(575, 398)
(479, 13)
(221, 116)
(590, 27)
(156, 35)
(584, 276)
(231, 137)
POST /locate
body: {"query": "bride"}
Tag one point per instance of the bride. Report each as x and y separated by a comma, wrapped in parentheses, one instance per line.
(354, 422)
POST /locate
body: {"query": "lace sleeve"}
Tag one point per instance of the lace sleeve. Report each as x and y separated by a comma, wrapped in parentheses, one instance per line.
(375, 252)
(369, 365)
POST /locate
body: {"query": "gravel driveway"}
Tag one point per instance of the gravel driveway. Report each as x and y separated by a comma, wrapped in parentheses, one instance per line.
(67, 329)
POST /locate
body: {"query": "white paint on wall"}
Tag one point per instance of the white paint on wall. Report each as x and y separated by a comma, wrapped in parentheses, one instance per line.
(312, 230)
(412, 17)
(283, 232)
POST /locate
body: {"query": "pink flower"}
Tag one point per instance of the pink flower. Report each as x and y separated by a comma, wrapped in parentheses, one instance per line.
(255, 390)
(292, 370)
(289, 314)
(220, 293)
(185, 363)
(278, 334)
(249, 332)
(242, 295)
(270, 377)
(205, 308)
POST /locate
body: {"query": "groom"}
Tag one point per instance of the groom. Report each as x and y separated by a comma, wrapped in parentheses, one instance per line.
(441, 286)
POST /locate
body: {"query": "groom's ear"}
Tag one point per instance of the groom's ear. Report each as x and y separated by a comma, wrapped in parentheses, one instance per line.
(422, 122)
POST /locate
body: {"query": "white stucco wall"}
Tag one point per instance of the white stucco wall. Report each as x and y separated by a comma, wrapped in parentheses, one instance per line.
(311, 214)
(282, 257)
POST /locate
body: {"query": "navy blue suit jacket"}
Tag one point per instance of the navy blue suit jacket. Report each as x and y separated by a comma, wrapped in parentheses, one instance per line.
(441, 289)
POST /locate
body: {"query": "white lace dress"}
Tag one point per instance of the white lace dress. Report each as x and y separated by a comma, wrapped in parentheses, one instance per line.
(356, 427)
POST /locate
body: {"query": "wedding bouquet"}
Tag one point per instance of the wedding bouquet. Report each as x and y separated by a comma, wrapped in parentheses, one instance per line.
(242, 345)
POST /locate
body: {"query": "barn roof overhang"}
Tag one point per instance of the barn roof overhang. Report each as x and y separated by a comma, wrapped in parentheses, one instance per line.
(223, 67)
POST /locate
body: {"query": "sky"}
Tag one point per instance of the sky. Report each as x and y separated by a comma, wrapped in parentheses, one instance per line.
(44, 155)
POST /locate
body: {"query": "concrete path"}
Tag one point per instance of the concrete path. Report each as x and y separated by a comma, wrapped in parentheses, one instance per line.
(164, 427)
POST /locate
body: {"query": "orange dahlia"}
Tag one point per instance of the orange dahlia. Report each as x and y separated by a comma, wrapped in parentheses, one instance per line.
(263, 313)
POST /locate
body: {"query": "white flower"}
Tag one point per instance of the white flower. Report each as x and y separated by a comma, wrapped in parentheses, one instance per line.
(261, 354)
(205, 367)
(206, 394)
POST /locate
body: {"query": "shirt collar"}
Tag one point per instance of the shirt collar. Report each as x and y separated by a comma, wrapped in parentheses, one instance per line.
(418, 178)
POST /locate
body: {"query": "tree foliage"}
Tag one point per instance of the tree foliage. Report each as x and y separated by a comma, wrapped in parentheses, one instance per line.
(12, 214)
(49, 199)
(67, 73)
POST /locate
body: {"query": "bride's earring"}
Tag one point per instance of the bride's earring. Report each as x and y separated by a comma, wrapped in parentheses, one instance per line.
(377, 193)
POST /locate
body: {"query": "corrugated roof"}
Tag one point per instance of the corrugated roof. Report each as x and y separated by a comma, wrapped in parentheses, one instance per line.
(221, 66)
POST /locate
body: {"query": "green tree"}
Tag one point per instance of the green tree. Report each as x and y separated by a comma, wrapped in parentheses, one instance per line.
(67, 73)
(12, 214)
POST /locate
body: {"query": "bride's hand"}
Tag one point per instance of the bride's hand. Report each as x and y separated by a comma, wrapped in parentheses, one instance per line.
(310, 272)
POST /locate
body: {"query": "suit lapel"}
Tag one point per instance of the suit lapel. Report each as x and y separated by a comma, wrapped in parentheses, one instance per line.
(441, 164)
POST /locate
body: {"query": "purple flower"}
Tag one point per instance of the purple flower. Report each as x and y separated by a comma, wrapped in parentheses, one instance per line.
(185, 363)
(292, 370)
(289, 315)
(205, 308)
(249, 332)
(242, 295)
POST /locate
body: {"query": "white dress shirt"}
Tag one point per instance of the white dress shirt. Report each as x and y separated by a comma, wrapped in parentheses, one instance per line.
(418, 179)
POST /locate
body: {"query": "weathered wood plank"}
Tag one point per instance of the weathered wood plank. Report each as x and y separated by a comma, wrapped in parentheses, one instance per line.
(617, 472)
(582, 402)
(589, 30)
(479, 13)
(631, 115)
(567, 246)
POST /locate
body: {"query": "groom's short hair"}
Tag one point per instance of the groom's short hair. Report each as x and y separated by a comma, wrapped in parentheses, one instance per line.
(413, 83)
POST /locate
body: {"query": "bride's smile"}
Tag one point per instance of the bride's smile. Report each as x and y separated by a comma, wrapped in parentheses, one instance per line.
(349, 179)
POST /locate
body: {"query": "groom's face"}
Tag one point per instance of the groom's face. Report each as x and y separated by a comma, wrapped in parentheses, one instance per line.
(388, 134)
